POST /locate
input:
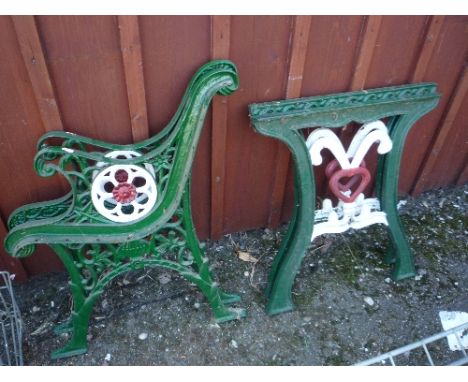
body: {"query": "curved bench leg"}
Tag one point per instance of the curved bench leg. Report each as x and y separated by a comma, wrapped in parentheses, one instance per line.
(221, 312)
(217, 297)
(78, 344)
(64, 327)
(228, 298)
(400, 254)
(281, 282)
(294, 247)
(279, 298)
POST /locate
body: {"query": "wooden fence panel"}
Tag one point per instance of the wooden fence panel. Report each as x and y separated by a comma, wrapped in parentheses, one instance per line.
(21, 125)
(447, 156)
(121, 78)
(444, 67)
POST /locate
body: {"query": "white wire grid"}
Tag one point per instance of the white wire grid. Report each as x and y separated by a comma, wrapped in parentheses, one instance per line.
(11, 352)
(391, 358)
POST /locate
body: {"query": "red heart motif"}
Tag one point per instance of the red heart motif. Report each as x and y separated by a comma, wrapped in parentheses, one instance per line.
(336, 186)
(331, 168)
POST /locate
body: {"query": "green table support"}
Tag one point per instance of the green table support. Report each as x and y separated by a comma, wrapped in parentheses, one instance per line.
(386, 115)
(128, 208)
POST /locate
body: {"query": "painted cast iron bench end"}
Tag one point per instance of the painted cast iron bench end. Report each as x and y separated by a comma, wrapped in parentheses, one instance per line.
(386, 115)
(128, 208)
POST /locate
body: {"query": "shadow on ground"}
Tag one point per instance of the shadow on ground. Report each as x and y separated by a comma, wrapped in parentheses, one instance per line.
(347, 307)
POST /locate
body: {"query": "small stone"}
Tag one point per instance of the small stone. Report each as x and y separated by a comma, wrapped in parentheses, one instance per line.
(401, 203)
(307, 319)
(418, 277)
(164, 278)
(369, 301)
(35, 309)
(246, 274)
(388, 280)
(104, 304)
(196, 305)
(234, 344)
(108, 357)
(52, 304)
(143, 336)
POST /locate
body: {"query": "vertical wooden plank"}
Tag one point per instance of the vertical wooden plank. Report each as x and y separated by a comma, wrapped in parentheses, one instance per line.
(220, 42)
(335, 39)
(260, 47)
(33, 56)
(362, 69)
(366, 52)
(297, 60)
(173, 48)
(428, 45)
(85, 60)
(20, 127)
(35, 64)
(446, 61)
(8, 263)
(133, 69)
(444, 132)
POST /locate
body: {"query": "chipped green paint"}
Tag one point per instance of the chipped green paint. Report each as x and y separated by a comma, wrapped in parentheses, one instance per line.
(94, 249)
(283, 120)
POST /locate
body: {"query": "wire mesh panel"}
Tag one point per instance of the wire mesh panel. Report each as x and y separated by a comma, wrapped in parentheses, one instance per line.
(429, 351)
(11, 352)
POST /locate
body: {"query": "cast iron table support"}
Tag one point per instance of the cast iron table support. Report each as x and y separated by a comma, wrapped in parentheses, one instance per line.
(400, 107)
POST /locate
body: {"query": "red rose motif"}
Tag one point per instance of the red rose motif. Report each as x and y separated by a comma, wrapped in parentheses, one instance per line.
(124, 193)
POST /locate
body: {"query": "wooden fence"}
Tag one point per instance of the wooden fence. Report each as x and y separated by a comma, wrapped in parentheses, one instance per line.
(120, 78)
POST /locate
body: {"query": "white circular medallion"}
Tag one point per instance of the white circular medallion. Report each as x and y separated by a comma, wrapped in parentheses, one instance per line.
(124, 193)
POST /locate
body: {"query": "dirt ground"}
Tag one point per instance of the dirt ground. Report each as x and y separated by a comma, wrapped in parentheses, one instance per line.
(347, 307)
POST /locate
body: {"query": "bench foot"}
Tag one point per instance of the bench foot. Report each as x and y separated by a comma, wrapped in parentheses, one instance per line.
(69, 351)
(277, 308)
(229, 314)
(228, 298)
(400, 273)
(64, 327)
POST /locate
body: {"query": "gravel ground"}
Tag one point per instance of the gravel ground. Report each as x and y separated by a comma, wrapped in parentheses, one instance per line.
(347, 308)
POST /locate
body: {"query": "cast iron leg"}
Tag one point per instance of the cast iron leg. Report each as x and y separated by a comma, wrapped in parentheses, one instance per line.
(78, 344)
(279, 298)
(400, 254)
